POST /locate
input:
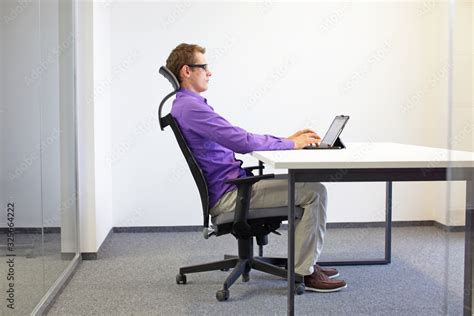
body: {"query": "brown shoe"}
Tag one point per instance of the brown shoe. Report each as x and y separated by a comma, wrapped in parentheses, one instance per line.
(320, 282)
(330, 272)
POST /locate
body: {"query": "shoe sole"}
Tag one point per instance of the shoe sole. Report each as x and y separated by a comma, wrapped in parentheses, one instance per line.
(325, 291)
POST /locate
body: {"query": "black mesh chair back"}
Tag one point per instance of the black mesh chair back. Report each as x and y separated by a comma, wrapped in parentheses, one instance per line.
(196, 171)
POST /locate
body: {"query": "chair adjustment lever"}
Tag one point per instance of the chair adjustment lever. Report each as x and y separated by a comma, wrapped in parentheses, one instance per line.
(276, 232)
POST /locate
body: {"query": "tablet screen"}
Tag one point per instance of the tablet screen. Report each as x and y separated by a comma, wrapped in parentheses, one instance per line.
(334, 130)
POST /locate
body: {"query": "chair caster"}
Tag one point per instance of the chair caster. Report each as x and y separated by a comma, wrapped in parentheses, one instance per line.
(180, 278)
(222, 295)
(299, 288)
(245, 277)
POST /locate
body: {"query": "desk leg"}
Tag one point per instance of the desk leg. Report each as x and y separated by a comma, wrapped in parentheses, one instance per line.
(469, 245)
(388, 238)
(291, 243)
(388, 222)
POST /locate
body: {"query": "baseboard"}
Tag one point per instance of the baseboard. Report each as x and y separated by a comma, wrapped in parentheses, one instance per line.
(95, 255)
(32, 230)
(67, 256)
(168, 229)
(157, 229)
(451, 229)
(89, 255)
(394, 224)
(380, 224)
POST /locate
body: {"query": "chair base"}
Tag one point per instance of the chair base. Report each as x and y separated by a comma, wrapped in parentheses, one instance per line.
(241, 266)
(276, 261)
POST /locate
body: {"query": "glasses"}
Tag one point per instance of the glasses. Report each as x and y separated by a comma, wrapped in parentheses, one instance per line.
(203, 66)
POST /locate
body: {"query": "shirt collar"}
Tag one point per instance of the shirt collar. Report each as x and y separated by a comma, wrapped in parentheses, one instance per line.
(193, 94)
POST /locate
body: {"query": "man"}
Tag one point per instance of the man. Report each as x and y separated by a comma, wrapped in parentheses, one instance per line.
(214, 141)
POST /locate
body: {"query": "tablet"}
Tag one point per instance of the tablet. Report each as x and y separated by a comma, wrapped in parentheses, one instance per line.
(329, 140)
(334, 131)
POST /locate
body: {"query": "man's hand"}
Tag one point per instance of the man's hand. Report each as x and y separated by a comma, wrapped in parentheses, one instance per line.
(304, 138)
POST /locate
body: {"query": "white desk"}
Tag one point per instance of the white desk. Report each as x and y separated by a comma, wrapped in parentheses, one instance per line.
(376, 162)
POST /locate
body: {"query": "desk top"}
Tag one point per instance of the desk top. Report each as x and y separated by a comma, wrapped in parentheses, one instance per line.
(367, 155)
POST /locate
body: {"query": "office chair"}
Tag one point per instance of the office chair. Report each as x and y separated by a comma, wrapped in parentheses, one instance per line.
(243, 223)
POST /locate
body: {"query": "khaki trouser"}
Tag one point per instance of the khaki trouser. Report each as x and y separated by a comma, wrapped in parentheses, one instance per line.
(310, 229)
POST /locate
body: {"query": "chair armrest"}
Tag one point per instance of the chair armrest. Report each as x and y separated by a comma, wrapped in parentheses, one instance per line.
(249, 180)
(251, 168)
(260, 167)
(240, 227)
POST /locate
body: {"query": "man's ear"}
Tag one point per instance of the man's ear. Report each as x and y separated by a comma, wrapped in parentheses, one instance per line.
(184, 72)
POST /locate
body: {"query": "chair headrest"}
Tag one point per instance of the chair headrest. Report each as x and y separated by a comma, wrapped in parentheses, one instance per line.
(171, 78)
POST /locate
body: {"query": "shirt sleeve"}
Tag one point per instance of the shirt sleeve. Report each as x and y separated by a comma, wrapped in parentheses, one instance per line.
(201, 119)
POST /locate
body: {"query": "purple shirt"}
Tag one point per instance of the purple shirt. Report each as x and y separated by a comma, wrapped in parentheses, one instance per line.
(214, 141)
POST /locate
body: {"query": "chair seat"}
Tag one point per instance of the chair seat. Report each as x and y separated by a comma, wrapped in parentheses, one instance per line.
(257, 213)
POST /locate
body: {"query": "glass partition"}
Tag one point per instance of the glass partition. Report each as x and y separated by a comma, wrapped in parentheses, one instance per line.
(38, 228)
(22, 271)
(459, 212)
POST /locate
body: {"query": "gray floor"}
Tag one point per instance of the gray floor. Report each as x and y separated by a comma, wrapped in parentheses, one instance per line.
(136, 276)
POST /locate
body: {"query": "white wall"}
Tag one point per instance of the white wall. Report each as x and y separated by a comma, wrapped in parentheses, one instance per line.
(102, 121)
(29, 128)
(93, 101)
(279, 67)
(85, 126)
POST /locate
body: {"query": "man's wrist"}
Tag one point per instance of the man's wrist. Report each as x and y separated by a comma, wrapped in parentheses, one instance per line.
(289, 144)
